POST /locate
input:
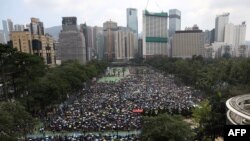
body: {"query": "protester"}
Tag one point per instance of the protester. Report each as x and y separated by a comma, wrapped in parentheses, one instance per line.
(108, 106)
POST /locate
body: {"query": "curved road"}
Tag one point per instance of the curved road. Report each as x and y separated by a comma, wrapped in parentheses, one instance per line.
(237, 113)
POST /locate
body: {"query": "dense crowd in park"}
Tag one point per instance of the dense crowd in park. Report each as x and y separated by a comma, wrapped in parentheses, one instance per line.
(109, 106)
(87, 137)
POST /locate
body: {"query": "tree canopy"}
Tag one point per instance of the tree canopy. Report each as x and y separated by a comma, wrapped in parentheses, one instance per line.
(166, 128)
(33, 87)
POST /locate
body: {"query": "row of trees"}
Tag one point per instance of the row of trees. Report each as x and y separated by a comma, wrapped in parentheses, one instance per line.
(219, 79)
(28, 87)
(209, 75)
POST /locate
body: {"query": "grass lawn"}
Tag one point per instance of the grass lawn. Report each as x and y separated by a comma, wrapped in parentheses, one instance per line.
(114, 79)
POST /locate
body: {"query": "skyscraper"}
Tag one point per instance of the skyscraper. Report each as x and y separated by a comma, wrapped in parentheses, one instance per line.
(100, 45)
(5, 31)
(10, 25)
(235, 35)
(132, 19)
(84, 30)
(36, 27)
(7, 28)
(109, 29)
(174, 21)
(71, 41)
(1, 37)
(88, 34)
(125, 42)
(155, 36)
(220, 23)
(97, 41)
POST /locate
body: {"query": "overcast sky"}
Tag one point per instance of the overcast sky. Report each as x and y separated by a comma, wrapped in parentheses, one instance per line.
(95, 12)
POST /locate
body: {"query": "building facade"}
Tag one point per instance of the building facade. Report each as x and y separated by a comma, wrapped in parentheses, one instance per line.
(187, 43)
(90, 47)
(174, 21)
(10, 25)
(84, 30)
(220, 23)
(100, 45)
(109, 29)
(7, 28)
(207, 37)
(71, 41)
(96, 32)
(212, 36)
(132, 19)
(35, 42)
(40, 45)
(44, 46)
(125, 42)
(36, 27)
(1, 37)
(18, 27)
(22, 41)
(235, 35)
(155, 36)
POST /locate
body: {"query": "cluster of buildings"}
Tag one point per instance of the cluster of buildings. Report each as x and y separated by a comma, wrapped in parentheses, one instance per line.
(161, 36)
(30, 39)
(226, 39)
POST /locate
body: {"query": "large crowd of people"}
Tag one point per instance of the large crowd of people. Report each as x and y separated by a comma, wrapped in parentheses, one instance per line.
(109, 106)
(87, 137)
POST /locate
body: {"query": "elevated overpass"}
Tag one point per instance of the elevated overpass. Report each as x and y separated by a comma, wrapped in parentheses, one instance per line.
(238, 110)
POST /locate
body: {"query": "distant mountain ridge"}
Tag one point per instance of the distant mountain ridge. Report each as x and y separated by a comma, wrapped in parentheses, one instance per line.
(54, 31)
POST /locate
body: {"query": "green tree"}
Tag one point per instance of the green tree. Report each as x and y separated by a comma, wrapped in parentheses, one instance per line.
(165, 128)
(15, 120)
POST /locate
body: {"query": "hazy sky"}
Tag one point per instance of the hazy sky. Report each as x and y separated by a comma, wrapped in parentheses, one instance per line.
(95, 12)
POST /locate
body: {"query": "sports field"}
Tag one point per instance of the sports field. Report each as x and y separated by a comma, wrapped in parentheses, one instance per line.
(112, 77)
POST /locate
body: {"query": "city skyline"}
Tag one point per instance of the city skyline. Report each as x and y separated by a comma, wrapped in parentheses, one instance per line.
(95, 12)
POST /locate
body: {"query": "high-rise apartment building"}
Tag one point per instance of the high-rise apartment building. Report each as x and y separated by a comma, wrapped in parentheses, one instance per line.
(220, 23)
(132, 19)
(71, 41)
(155, 36)
(174, 21)
(188, 42)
